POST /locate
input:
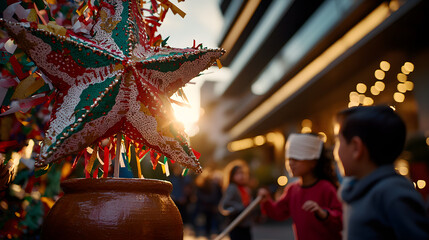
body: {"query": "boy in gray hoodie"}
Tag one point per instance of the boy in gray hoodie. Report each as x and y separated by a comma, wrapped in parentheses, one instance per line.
(380, 204)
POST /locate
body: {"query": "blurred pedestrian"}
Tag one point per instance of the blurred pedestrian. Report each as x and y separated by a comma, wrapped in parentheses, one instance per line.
(182, 191)
(381, 204)
(208, 196)
(236, 197)
(312, 201)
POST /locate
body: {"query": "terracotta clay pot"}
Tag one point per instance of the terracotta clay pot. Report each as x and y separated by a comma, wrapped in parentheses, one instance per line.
(114, 209)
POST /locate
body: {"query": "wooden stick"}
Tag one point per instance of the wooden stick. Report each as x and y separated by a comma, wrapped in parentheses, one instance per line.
(118, 155)
(240, 218)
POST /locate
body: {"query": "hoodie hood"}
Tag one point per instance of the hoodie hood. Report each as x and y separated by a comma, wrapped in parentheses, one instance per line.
(354, 189)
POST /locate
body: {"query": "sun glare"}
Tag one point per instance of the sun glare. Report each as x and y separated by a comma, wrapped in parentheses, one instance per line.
(190, 114)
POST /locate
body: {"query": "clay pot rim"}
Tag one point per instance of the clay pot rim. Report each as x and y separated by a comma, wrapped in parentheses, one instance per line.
(116, 184)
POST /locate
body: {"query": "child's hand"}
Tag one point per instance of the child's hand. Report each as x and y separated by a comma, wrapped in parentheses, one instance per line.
(264, 193)
(312, 206)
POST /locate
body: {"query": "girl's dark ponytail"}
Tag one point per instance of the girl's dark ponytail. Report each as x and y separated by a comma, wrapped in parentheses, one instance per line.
(325, 169)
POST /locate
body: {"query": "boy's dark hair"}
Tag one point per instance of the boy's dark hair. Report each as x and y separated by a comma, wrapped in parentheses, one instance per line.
(382, 131)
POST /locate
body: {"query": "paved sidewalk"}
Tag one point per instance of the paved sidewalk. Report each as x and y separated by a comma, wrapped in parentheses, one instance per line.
(267, 231)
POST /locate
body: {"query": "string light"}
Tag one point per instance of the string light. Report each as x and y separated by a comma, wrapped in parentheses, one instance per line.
(409, 66)
(361, 98)
(401, 77)
(409, 86)
(379, 74)
(385, 66)
(401, 87)
(374, 91)
(361, 88)
(421, 184)
(354, 97)
(379, 85)
(353, 104)
(398, 97)
(282, 181)
(367, 101)
(404, 70)
(402, 167)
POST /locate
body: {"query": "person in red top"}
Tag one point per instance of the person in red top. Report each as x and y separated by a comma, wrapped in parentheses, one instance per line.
(312, 201)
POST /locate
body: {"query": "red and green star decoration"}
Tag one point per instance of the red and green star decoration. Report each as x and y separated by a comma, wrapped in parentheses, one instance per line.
(112, 81)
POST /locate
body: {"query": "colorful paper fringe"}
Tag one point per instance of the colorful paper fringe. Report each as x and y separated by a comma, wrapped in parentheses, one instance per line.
(92, 57)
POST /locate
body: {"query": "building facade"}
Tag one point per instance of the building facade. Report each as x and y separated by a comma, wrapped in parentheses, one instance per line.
(294, 64)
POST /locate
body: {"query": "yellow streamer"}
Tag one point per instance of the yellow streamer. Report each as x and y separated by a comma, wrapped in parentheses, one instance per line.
(53, 27)
(92, 160)
(174, 8)
(48, 201)
(139, 170)
(28, 86)
(32, 16)
(82, 9)
(219, 64)
(22, 117)
(129, 153)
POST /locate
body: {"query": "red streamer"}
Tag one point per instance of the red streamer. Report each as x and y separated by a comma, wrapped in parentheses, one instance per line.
(106, 162)
(17, 68)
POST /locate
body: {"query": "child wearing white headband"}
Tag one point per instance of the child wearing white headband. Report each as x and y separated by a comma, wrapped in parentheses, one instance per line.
(311, 202)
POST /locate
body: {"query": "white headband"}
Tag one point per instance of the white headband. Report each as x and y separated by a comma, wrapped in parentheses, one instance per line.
(303, 147)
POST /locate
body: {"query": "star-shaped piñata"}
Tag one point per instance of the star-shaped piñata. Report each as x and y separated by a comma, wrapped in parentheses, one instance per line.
(113, 82)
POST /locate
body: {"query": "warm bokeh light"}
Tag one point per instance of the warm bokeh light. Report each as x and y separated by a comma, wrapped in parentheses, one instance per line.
(240, 144)
(336, 149)
(259, 140)
(28, 150)
(275, 137)
(402, 167)
(385, 66)
(379, 85)
(271, 137)
(398, 97)
(409, 66)
(188, 116)
(336, 128)
(306, 130)
(307, 123)
(394, 5)
(282, 181)
(427, 141)
(4, 205)
(374, 91)
(361, 88)
(353, 104)
(379, 74)
(404, 70)
(409, 86)
(323, 136)
(361, 98)
(367, 101)
(421, 184)
(401, 77)
(354, 97)
(401, 87)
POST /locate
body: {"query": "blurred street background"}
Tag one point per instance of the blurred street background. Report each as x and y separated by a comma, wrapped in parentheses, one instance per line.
(289, 66)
